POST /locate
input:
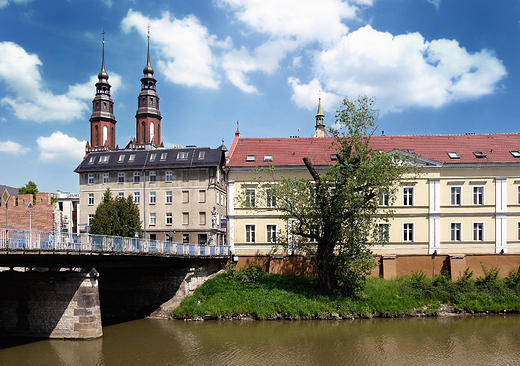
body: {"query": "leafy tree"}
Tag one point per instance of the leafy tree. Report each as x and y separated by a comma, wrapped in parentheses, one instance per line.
(116, 216)
(29, 188)
(332, 218)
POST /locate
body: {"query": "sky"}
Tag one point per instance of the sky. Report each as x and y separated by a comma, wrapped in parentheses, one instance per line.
(434, 67)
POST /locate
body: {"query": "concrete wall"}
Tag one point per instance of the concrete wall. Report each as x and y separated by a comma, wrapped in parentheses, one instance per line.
(49, 305)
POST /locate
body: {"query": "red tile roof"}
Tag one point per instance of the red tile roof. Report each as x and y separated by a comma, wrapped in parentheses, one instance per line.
(290, 151)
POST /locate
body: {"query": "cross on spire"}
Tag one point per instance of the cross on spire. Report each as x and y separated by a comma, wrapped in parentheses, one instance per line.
(103, 33)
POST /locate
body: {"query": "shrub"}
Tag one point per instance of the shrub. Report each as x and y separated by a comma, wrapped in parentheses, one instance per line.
(247, 275)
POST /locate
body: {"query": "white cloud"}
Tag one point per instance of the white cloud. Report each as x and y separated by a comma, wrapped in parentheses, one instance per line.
(14, 148)
(306, 95)
(60, 148)
(87, 90)
(435, 3)
(184, 47)
(20, 73)
(403, 71)
(4, 3)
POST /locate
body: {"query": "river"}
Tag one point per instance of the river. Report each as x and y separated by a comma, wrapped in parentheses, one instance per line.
(469, 340)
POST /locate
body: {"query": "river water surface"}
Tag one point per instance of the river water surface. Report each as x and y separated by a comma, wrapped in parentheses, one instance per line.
(482, 340)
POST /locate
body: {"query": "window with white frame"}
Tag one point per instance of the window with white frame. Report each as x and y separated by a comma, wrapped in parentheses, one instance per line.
(456, 196)
(137, 177)
(270, 198)
(120, 177)
(169, 218)
(105, 178)
(169, 176)
(169, 197)
(250, 197)
(91, 179)
(153, 177)
(153, 219)
(91, 199)
(384, 199)
(270, 234)
(90, 217)
(478, 231)
(408, 234)
(250, 234)
(383, 232)
(152, 198)
(478, 195)
(121, 194)
(137, 198)
(456, 231)
(407, 196)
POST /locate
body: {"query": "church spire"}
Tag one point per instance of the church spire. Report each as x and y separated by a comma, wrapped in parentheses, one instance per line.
(102, 120)
(320, 124)
(148, 116)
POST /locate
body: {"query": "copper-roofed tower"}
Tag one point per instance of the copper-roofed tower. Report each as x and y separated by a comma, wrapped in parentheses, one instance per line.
(102, 120)
(148, 116)
(320, 124)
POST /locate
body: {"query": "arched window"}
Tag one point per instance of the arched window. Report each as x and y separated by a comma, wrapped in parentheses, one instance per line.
(143, 133)
(152, 132)
(105, 134)
(96, 141)
(113, 137)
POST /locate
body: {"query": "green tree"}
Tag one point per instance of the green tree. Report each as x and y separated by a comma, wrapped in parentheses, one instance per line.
(116, 216)
(333, 217)
(29, 188)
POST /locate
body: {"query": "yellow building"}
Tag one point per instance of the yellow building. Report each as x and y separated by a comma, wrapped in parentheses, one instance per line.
(466, 199)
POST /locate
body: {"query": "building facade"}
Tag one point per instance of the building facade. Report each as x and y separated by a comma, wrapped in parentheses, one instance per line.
(465, 200)
(180, 192)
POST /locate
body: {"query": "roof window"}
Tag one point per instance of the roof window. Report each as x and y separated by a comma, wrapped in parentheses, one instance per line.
(163, 156)
(251, 158)
(333, 157)
(516, 154)
(453, 155)
(201, 155)
(479, 154)
(92, 159)
(182, 155)
(152, 157)
(268, 158)
(121, 158)
(409, 151)
(104, 159)
(131, 158)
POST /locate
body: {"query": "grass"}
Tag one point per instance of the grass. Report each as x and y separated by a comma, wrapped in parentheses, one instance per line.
(260, 295)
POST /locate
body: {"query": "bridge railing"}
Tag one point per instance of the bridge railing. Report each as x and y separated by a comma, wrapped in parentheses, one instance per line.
(43, 241)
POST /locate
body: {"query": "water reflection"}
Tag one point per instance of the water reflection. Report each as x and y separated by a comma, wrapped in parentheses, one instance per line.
(429, 341)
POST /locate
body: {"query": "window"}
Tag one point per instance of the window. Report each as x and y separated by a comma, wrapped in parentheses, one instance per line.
(203, 239)
(518, 189)
(169, 197)
(516, 154)
(185, 238)
(121, 194)
(250, 197)
(153, 219)
(478, 195)
(478, 231)
(384, 199)
(182, 155)
(121, 159)
(202, 175)
(131, 158)
(185, 218)
(201, 155)
(137, 198)
(455, 231)
(456, 196)
(152, 157)
(185, 196)
(105, 178)
(137, 177)
(152, 198)
(92, 159)
(408, 232)
(163, 156)
(270, 198)
(383, 232)
(91, 199)
(104, 159)
(333, 157)
(169, 218)
(202, 196)
(250, 158)
(153, 177)
(268, 158)
(408, 196)
(202, 218)
(91, 179)
(169, 176)
(518, 238)
(250, 234)
(479, 154)
(185, 176)
(90, 217)
(270, 234)
(453, 155)
(120, 177)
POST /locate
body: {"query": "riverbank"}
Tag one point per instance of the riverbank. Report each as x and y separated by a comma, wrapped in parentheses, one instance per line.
(251, 294)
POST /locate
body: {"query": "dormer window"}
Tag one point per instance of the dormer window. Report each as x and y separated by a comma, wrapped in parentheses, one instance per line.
(152, 157)
(92, 159)
(131, 158)
(516, 154)
(104, 159)
(121, 159)
(250, 158)
(453, 155)
(479, 154)
(268, 158)
(163, 156)
(182, 155)
(201, 155)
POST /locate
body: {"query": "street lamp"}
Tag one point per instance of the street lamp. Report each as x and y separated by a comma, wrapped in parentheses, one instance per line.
(30, 208)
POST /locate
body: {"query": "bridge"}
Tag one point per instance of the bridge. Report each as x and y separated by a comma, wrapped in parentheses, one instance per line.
(53, 283)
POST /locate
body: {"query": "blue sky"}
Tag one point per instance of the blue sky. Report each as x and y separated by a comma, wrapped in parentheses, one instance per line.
(435, 67)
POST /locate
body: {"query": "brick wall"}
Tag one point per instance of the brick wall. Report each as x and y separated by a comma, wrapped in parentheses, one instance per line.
(42, 216)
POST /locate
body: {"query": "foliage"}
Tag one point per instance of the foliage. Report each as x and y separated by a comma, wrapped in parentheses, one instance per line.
(116, 216)
(247, 275)
(333, 217)
(29, 188)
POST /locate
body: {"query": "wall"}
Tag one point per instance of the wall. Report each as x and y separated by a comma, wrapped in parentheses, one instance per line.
(41, 218)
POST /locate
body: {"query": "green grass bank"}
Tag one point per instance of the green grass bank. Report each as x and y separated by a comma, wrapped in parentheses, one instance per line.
(250, 293)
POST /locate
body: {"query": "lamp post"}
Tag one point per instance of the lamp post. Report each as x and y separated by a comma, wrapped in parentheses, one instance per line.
(30, 208)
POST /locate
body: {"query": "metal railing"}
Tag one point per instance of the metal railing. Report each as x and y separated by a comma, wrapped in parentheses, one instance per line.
(51, 241)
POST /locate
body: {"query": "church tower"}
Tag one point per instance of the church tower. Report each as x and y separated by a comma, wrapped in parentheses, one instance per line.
(148, 116)
(102, 120)
(320, 123)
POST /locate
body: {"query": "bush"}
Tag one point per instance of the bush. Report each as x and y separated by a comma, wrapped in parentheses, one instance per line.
(251, 275)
